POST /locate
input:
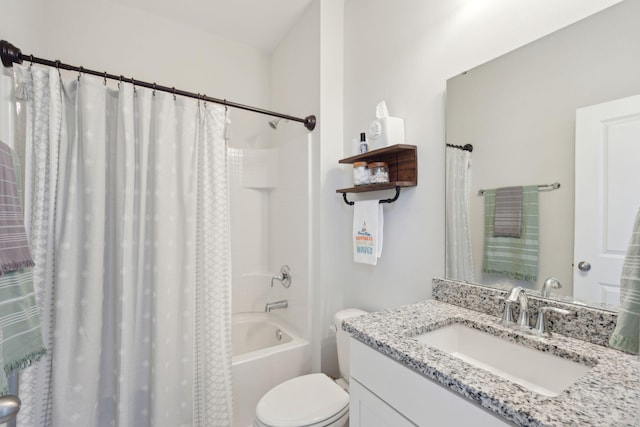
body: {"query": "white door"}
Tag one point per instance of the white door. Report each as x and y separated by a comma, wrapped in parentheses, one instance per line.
(607, 191)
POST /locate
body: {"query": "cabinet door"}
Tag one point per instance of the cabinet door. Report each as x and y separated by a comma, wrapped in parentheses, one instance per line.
(368, 410)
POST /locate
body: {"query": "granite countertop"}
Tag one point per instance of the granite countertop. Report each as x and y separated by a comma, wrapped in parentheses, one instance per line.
(609, 394)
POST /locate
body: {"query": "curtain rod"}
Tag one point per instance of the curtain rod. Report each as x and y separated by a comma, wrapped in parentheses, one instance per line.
(11, 54)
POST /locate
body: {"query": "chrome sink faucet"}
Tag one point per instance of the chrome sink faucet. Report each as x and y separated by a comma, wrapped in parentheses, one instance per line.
(518, 295)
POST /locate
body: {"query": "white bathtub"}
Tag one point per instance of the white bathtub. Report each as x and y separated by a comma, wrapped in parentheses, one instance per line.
(261, 360)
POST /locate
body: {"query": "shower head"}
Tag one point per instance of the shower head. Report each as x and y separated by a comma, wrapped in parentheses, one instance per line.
(274, 123)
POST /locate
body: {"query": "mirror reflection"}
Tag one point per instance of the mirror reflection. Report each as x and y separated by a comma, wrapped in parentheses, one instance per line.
(563, 109)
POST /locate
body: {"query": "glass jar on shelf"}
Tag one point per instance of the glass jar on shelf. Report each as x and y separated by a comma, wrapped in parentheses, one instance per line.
(360, 173)
(378, 172)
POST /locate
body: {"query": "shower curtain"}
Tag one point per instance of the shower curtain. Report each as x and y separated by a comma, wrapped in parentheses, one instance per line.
(128, 219)
(459, 261)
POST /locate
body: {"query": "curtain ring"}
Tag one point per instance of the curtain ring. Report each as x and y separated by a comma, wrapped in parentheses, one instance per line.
(204, 98)
(174, 93)
(31, 56)
(133, 82)
(154, 88)
(120, 80)
(58, 64)
(105, 78)
(80, 71)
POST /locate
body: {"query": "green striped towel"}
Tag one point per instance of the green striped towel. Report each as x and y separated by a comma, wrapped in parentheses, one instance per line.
(21, 341)
(4, 387)
(515, 257)
(626, 336)
(14, 247)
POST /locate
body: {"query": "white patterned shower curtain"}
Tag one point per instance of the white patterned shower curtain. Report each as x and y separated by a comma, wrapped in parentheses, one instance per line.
(129, 226)
(459, 260)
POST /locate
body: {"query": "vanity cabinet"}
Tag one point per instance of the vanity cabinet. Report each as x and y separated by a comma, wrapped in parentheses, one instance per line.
(384, 393)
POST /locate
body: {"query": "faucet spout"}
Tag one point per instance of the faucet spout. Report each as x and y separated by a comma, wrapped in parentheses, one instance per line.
(519, 295)
(550, 283)
(276, 305)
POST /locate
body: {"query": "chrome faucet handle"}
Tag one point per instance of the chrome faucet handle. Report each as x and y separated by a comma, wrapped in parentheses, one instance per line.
(284, 277)
(541, 323)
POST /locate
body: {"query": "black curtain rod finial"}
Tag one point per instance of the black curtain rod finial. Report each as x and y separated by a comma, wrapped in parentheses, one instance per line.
(310, 122)
(10, 54)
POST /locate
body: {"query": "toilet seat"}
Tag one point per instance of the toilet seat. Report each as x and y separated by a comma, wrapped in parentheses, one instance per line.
(312, 400)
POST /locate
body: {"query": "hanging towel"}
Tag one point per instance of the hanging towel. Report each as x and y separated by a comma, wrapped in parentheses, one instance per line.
(14, 248)
(507, 221)
(4, 386)
(510, 256)
(626, 336)
(20, 321)
(367, 231)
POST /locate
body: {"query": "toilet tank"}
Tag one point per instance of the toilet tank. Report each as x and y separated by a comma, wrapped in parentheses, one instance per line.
(342, 339)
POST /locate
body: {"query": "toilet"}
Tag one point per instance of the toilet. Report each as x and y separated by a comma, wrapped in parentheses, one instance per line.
(313, 400)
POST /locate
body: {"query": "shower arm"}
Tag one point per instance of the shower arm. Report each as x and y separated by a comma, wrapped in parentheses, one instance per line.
(10, 55)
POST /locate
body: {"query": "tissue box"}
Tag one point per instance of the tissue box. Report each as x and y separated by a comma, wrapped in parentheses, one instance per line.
(386, 131)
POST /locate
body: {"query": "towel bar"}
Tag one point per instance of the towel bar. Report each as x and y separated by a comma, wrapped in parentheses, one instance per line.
(391, 200)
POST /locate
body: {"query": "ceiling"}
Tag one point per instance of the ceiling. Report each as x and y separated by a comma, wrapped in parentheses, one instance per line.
(258, 23)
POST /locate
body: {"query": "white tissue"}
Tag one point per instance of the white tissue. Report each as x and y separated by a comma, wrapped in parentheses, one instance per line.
(381, 110)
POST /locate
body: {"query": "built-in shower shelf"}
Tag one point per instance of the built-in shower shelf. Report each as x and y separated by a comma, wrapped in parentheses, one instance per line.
(403, 169)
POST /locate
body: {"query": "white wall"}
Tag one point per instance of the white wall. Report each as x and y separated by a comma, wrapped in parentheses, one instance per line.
(24, 24)
(295, 83)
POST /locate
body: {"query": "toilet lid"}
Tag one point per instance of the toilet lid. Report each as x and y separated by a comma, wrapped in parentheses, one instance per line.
(302, 401)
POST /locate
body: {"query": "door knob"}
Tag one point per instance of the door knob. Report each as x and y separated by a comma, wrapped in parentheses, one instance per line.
(584, 266)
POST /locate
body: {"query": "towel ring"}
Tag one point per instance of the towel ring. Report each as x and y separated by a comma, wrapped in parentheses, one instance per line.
(391, 200)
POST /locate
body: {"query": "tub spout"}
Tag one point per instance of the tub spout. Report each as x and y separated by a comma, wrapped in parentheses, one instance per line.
(276, 305)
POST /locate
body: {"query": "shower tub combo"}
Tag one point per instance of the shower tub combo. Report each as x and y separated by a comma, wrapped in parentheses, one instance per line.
(266, 352)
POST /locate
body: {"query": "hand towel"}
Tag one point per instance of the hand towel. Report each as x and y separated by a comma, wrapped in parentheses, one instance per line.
(4, 385)
(368, 225)
(14, 248)
(510, 256)
(20, 321)
(507, 221)
(626, 336)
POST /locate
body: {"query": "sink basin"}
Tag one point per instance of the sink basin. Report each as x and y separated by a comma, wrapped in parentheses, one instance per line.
(533, 369)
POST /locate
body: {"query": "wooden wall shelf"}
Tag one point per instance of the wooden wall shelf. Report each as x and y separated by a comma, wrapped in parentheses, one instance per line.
(403, 167)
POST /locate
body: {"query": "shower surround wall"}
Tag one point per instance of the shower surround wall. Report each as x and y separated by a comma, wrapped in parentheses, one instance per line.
(268, 216)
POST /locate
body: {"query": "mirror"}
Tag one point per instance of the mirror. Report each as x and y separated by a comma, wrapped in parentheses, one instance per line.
(518, 111)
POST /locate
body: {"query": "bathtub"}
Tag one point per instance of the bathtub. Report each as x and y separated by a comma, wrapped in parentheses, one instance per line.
(266, 352)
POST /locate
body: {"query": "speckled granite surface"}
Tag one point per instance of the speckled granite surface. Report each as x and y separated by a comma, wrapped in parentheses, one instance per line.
(584, 323)
(608, 395)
